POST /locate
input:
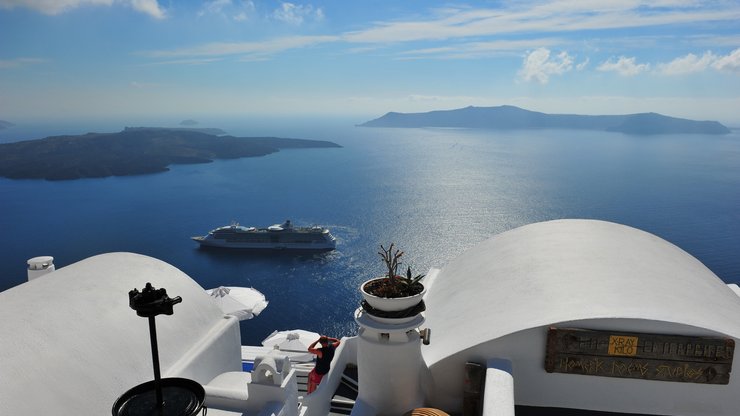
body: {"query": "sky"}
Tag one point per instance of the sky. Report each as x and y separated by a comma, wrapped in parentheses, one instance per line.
(122, 58)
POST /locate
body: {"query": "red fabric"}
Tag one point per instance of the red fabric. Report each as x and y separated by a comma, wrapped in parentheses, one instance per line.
(313, 380)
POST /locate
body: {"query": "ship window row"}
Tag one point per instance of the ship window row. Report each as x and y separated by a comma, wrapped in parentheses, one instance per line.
(251, 238)
(265, 240)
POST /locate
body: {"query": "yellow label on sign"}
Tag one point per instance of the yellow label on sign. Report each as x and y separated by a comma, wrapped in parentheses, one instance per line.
(622, 345)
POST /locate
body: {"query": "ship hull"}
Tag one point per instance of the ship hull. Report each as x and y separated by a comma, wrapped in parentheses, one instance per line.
(212, 243)
(277, 237)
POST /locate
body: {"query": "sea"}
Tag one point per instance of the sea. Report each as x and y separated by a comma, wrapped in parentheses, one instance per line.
(434, 192)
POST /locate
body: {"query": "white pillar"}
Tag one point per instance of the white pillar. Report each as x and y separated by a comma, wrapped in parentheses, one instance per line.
(389, 364)
(498, 395)
(39, 266)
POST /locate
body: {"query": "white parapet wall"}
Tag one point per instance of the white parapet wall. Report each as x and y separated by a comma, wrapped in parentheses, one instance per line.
(318, 403)
(498, 395)
(237, 393)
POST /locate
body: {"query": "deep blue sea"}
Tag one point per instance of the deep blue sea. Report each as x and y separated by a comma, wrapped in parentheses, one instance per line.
(434, 192)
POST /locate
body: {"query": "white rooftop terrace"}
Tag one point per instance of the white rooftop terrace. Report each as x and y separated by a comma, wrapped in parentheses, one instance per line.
(71, 344)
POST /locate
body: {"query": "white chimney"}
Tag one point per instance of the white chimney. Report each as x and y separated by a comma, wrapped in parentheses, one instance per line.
(390, 365)
(39, 266)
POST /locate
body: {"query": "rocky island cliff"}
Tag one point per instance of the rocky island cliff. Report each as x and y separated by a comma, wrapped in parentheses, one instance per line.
(132, 151)
(514, 118)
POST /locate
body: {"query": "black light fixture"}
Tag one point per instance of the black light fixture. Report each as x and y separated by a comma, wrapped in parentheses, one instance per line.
(159, 397)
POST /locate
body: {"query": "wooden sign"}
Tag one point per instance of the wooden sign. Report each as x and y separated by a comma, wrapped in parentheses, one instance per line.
(706, 360)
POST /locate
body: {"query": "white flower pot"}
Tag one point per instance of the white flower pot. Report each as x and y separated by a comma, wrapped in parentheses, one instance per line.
(390, 304)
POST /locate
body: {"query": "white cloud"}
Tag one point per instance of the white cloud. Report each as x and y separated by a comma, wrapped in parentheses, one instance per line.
(691, 63)
(19, 62)
(549, 17)
(716, 41)
(215, 7)
(191, 61)
(539, 65)
(150, 7)
(623, 66)
(53, 7)
(470, 27)
(479, 49)
(419, 97)
(687, 64)
(363, 49)
(250, 51)
(239, 11)
(296, 14)
(730, 62)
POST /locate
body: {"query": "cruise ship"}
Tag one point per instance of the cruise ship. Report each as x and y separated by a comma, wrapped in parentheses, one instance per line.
(283, 236)
(565, 317)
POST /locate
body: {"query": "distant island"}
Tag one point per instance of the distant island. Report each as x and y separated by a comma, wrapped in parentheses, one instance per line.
(508, 117)
(207, 130)
(188, 122)
(133, 151)
(5, 124)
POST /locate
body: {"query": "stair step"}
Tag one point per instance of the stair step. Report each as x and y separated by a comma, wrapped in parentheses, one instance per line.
(342, 401)
(350, 382)
(341, 405)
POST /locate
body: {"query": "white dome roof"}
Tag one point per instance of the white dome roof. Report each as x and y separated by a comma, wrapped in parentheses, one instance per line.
(70, 340)
(568, 270)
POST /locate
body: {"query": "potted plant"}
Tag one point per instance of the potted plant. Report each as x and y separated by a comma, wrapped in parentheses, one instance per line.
(393, 292)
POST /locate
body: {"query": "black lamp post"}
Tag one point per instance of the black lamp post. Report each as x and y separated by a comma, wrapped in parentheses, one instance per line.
(172, 396)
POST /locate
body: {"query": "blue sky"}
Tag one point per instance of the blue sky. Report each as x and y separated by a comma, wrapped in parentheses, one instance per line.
(121, 58)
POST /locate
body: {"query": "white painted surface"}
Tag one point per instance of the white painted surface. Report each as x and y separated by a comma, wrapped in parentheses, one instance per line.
(535, 387)
(39, 266)
(71, 344)
(390, 366)
(499, 298)
(228, 391)
(390, 304)
(75, 343)
(251, 352)
(734, 288)
(567, 270)
(498, 395)
(240, 392)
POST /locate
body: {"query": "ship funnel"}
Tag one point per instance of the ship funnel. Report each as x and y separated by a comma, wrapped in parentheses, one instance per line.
(39, 266)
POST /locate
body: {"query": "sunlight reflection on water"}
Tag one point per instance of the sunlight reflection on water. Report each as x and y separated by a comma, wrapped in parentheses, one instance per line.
(435, 192)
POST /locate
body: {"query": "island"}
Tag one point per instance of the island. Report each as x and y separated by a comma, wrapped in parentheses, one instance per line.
(132, 151)
(207, 130)
(509, 117)
(5, 124)
(188, 122)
